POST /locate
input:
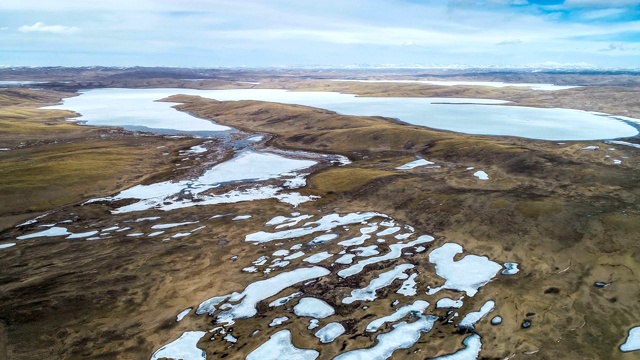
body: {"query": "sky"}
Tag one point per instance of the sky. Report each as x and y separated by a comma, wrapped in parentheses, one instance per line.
(261, 33)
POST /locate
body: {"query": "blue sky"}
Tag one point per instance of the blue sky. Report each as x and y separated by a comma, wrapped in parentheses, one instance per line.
(210, 33)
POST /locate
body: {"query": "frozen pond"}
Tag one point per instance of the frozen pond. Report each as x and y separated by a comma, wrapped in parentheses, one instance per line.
(136, 108)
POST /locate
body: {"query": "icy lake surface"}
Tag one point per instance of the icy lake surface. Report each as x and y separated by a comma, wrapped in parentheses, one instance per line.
(136, 108)
(496, 84)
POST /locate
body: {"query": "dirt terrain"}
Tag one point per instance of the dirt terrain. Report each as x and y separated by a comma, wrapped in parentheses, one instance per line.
(568, 216)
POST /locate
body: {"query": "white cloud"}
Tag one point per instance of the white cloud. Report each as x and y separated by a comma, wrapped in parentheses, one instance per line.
(603, 13)
(53, 29)
(600, 3)
(510, 42)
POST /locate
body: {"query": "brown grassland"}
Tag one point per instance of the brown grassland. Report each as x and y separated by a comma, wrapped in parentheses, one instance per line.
(568, 216)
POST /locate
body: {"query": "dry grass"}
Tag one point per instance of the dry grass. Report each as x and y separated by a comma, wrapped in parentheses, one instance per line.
(53, 162)
(345, 179)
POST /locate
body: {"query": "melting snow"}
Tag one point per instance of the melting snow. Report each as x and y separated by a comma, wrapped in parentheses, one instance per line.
(473, 317)
(355, 241)
(295, 255)
(282, 252)
(183, 313)
(263, 289)
(7, 245)
(283, 300)
(82, 235)
(366, 251)
(414, 164)
(471, 351)
(632, 343)
(368, 293)
(322, 239)
(182, 348)
(168, 226)
(389, 231)
(278, 321)
(408, 287)
(449, 303)
(468, 274)
(403, 336)
(394, 253)
(481, 175)
(283, 221)
(314, 259)
(625, 143)
(52, 231)
(415, 309)
(345, 259)
(312, 307)
(313, 323)
(250, 269)
(209, 306)
(326, 223)
(510, 268)
(196, 150)
(242, 217)
(330, 332)
(279, 347)
(230, 338)
(247, 166)
(150, 218)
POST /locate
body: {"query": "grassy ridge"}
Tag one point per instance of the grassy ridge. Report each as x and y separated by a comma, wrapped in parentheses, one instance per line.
(52, 162)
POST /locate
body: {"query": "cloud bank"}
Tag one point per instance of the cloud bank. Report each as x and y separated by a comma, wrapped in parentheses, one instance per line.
(53, 29)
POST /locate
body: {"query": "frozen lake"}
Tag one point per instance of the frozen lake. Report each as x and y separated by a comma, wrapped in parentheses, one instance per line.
(136, 108)
(496, 84)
